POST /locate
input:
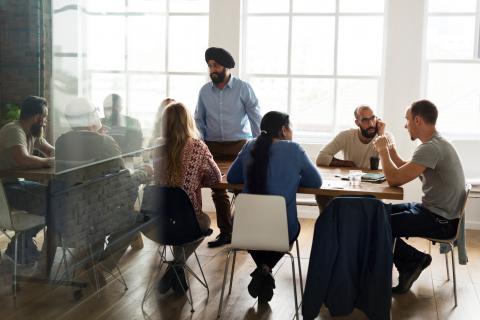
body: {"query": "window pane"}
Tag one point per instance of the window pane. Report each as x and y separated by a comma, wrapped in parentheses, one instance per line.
(268, 6)
(272, 93)
(146, 92)
(267, 56)
(188, 40)
(312, 104)
(189, 6)
(361, 6)
(147, 5)
(65, 31)
(350, 94)
(105, 42)
(146, 43)
(313, 41)
(185, 89)
(103, 84)
(314, 6)
(455, 90)
(452, 6)
(61, 4)
(65, 81)
(105, 5)
(360, 45)
(450, 37)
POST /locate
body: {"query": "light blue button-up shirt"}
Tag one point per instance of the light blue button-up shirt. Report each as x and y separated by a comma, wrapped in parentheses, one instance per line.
(224, 115)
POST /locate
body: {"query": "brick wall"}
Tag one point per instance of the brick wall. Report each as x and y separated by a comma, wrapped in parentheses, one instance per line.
(25, 49)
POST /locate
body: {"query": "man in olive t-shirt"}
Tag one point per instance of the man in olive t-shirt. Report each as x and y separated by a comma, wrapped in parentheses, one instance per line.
(438, 166)
(18, 139)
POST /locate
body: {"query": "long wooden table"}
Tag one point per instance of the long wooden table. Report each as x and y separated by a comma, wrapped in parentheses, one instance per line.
(332, 185)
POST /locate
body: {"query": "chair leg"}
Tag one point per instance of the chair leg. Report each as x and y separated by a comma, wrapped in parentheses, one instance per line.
(224, 282)
(299, 267)
(188, 281)
(446, 264)
(94, 269)
(15, 269)
(454, 275)
(203, 275)
(294, 284)
(153, 276)
(232, 272)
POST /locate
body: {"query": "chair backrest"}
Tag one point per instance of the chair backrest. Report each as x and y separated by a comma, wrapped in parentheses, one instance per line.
(174, 214)
(86, 212)
(5, 218)
(468, 188)
(260, 223)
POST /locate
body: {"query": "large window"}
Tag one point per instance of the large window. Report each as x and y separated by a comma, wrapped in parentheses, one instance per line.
(143, 50)
(316, 60)
(453, 66)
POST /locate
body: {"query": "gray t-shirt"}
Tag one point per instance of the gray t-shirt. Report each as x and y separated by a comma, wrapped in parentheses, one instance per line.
(443, 181)
(12, 135)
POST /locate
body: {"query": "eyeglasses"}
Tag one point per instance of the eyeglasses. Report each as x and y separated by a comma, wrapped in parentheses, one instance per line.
(368, 120)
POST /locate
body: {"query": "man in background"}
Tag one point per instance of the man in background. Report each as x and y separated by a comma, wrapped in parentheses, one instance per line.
(227, 114)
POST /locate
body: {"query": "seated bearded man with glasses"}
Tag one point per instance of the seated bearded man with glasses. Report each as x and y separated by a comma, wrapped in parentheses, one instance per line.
(356, 144)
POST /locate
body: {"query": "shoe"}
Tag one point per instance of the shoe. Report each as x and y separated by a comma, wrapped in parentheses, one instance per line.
(179, 281)
(256, 283)
(266, 291)
(222, 239)
(166, 282)
(137, 242)
(406, 279)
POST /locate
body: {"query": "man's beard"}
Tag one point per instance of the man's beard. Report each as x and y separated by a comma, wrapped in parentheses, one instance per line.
(367, 134)
(36, 130)
(219, 76)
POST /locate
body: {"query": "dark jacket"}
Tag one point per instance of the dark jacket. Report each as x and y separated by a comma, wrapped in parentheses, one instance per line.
(351, 260)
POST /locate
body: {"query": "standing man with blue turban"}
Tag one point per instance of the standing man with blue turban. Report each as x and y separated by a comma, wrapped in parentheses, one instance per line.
(227, 114)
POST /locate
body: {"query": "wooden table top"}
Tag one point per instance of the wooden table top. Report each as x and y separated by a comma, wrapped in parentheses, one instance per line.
(332, 185)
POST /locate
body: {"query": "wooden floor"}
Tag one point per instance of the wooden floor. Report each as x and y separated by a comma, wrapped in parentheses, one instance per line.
(431, 296)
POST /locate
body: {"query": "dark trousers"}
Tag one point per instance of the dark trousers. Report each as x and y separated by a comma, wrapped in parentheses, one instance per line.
(413, 220)
(269, 258)
(224, 151)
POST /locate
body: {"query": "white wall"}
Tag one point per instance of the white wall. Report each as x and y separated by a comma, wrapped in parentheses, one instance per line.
(403, 78)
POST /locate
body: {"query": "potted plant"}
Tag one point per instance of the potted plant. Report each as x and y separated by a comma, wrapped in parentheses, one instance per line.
(11, 112)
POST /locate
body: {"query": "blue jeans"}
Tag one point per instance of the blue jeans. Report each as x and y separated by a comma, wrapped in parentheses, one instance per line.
(27, 196)
(414, 220)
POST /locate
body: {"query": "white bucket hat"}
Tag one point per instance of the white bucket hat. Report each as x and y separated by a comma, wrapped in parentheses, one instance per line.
(80, 113)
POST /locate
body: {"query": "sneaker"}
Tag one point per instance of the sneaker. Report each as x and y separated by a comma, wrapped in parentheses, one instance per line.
(406, 279)
(266, 291)
(222, 239)
(179, 281)
(166, 282)
(255, 284)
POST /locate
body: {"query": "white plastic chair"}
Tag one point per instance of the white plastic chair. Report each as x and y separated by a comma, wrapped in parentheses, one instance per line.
(451, 243)
(260, 224)
(17, 221)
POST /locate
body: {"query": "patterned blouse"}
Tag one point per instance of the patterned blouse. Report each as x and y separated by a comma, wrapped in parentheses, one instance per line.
(199, 170)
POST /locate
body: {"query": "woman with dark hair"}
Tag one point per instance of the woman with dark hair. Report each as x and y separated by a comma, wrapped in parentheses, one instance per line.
(273, 164)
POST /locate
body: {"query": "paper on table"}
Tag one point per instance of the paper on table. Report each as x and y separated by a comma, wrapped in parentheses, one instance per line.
(335, 184)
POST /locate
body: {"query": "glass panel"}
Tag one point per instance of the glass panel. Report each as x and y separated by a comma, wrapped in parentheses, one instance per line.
(452, 6)
(268, 6)
(65, 81)
(188, 40)
(455, 90)
(313, 6)
(312, 104)
(146, 43)
(361, 6)
(313, 41)
(146, 92)
(147, 5)
(360, 44)
(65, 31)
(62, 4)
(450, 37)
(189, 6)
(350, 94)
(105, 5)
(105, 42)
(185, 89)
(267, 56)
(104, 84)
(272, 93)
